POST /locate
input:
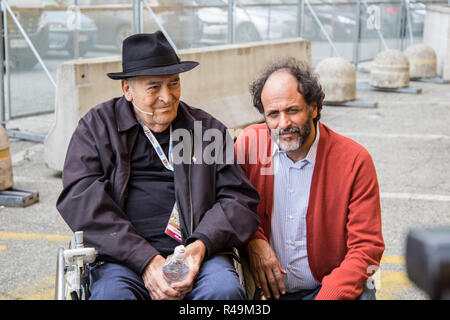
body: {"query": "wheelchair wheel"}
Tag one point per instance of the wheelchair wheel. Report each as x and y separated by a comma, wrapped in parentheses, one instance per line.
(72, 274)
(70, 284)
(60, 283)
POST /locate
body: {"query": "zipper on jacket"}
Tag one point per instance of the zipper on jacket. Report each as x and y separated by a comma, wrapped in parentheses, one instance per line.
(190, 183)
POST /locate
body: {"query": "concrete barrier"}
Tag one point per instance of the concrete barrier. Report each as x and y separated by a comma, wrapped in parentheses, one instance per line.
(219, 85)
(436, 33)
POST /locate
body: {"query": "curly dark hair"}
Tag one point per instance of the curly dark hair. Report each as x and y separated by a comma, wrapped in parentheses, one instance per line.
(308, 83)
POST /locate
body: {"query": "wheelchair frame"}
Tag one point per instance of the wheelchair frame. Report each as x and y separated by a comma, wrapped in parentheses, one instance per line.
(72, 274)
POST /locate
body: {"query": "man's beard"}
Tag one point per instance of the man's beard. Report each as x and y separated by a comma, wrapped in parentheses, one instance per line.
(303, 134)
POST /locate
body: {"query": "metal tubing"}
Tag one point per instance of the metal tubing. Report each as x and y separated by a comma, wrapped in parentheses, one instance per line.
(336, 52)
(269, 17)
(7, 79)
(160, 25)
(230, 32)
(409, 20)
(302, 16)
(137, 16)
(30, 44)
(380, 35)
(60, 281)
(403, 18)
(76, 44)
(25, 135)
(358, 35)
(2, 74)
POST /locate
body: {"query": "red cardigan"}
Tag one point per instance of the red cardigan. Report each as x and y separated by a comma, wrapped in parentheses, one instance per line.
(344, 239)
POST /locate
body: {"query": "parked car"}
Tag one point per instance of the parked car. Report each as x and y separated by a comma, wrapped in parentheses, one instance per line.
(392, 19)
(48, 29)
(29, 14)
(114, 20)
(62, 31)
(338, 20)
(256, 20)
(250, 23)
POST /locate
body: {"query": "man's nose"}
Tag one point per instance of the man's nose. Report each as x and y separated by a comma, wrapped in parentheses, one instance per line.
(164, 94)
(285, 121)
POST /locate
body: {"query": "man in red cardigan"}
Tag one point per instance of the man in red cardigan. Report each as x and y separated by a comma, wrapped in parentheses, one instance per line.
(320, 233)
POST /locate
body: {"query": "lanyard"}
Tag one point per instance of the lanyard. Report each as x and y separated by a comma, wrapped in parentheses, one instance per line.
(173, 226)
(157, 146)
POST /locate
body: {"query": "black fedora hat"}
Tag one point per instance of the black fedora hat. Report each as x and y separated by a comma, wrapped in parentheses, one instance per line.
(149, 54)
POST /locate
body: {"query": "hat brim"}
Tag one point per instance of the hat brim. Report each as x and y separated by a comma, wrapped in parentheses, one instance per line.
(156, 71)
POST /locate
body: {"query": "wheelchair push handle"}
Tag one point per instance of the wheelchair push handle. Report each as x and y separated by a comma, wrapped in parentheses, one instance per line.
(72, 274)
(79, 239)
(79, 255)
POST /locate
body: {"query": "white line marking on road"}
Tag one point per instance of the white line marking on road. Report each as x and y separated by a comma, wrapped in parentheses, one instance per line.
(415, 196)
(397, 135)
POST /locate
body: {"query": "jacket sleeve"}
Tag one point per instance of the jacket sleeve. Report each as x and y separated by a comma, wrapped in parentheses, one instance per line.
(242, 150)
(232, 220)
(86, 205)
(364, 237)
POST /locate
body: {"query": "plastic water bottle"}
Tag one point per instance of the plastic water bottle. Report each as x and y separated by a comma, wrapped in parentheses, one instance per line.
(175, 269)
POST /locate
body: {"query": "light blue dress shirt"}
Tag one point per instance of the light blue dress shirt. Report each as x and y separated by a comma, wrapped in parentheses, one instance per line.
(292, 184)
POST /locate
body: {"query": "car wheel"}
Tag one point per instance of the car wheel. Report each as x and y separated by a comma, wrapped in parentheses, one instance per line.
(82, 49)
(122, 33)
(246, 32)
(23, 60)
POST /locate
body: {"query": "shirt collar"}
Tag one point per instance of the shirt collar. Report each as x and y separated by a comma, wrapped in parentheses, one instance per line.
(311, 156)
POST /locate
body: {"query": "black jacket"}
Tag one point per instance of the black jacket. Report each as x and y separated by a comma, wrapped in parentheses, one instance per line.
(217, 203)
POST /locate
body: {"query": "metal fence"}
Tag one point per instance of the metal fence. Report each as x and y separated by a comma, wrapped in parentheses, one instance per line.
(38, 35)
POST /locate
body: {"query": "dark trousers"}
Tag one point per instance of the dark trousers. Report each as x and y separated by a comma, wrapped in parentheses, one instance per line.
(217, 280)
(367, 294)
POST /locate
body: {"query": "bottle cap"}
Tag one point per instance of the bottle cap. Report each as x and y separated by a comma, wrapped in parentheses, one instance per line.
(179, 252)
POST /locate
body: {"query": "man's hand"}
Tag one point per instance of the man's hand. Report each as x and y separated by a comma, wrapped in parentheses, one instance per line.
(155, 283)
(195, 253)
(265, 268)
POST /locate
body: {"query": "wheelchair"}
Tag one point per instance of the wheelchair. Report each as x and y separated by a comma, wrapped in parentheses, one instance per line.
(72, 270)
(72, 274)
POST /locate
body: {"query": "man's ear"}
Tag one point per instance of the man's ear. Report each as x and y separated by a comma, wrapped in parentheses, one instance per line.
(314, 110)
(126, 89)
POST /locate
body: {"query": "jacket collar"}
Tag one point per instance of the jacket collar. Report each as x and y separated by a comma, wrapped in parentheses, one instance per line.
(126, 119)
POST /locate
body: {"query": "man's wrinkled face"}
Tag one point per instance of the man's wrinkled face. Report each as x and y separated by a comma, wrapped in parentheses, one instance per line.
(287, 115)
(159, 95)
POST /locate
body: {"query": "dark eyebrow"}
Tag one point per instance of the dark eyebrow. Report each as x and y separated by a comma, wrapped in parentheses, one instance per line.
(150, 82)
(153, 82)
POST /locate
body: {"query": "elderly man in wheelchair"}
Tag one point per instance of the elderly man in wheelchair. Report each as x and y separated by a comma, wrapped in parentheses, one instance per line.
(73, 264)
(136, 197)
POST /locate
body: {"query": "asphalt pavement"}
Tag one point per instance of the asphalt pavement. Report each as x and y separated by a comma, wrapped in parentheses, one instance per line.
(408, 136)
